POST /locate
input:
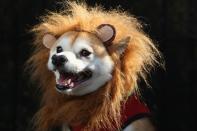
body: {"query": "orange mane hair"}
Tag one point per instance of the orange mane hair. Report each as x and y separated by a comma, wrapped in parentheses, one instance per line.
(102, 108)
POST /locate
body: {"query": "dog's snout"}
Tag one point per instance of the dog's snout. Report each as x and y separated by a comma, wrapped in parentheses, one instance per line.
(58, 60)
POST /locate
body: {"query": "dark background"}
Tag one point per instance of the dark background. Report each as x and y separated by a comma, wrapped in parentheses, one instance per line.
(171, 23)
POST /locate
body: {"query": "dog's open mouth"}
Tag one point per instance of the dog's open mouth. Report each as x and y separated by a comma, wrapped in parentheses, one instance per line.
(69, 80)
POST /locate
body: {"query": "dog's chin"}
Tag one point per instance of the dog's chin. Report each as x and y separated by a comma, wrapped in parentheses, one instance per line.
(69, 81)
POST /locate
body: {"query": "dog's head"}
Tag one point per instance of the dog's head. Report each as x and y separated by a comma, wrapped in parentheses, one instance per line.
(94, 60)
(80, 59)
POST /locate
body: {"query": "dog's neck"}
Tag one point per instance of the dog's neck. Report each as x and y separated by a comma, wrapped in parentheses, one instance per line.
(91, 110)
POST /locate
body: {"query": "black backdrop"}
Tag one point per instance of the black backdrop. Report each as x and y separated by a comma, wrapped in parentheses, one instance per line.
(172, 24)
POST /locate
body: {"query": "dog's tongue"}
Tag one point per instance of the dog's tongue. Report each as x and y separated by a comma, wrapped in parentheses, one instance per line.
(68, 82)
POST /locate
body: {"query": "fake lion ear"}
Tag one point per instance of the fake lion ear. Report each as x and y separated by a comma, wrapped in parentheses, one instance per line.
(48, 40)
(106, 33)
(121, 46)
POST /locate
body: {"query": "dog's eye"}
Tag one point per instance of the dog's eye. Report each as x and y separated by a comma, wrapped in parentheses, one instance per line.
(84, 53)
(59, 49)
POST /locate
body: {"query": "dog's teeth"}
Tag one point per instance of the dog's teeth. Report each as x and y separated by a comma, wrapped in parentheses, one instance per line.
(72, 84)
(69, 80)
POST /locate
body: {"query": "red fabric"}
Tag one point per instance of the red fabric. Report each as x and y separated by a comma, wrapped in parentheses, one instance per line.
(132, 107)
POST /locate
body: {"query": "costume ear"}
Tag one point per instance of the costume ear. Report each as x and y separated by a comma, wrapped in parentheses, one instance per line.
(121, 46)
(106, 33)
(48, 40)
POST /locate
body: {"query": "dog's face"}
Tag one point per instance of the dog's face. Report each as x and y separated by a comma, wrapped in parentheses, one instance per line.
(80, 62)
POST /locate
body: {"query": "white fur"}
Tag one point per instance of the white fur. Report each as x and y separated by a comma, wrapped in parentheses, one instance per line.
(65, 128)
(64, 41)
(101, 67)
(129, 128)
(143, 124)
(138, 125)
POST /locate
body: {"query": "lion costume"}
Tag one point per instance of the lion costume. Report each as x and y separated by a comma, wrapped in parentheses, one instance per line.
(102, 108)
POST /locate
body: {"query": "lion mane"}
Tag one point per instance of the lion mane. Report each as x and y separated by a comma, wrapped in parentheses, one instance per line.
(102, 108)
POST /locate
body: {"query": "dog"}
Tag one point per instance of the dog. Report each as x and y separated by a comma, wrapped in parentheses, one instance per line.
(88, 62)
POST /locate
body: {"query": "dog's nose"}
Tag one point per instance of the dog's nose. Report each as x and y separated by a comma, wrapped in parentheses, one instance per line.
(58, 60)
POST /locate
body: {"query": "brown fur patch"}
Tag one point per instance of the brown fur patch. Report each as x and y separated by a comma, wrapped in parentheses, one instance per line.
(96, 43)
(73, 36)
(100, 109)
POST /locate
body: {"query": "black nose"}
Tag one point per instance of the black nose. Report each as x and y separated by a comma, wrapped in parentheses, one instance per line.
(58, 60)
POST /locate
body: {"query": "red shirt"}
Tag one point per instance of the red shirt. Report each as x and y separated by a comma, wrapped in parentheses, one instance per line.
(132, 110)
